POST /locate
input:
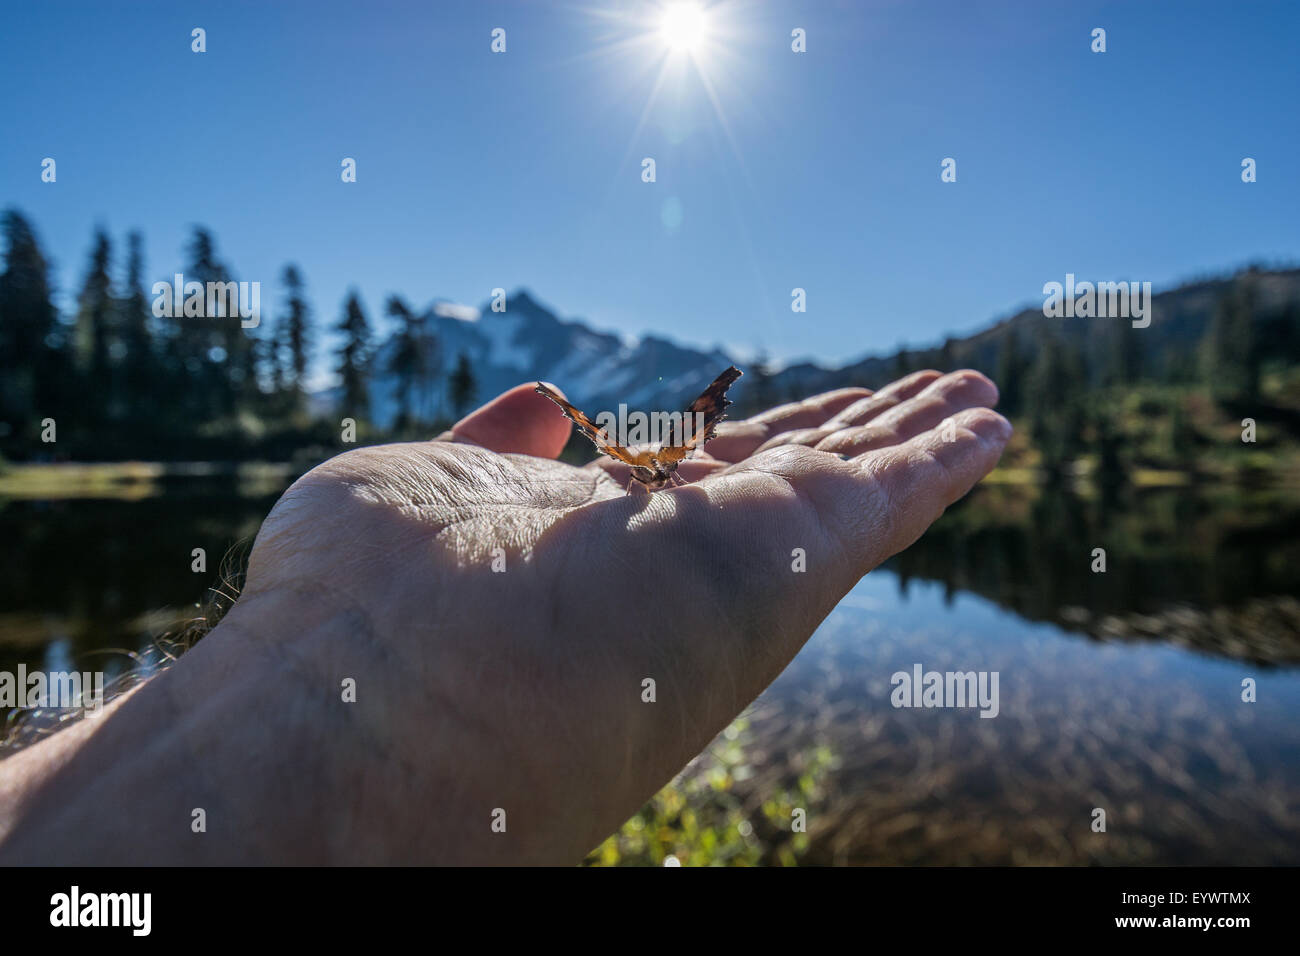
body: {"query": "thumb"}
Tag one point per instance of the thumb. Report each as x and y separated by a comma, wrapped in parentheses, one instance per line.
(519, 420)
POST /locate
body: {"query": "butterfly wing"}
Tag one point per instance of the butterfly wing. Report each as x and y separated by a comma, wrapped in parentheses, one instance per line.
(702, 417)
(588, 428)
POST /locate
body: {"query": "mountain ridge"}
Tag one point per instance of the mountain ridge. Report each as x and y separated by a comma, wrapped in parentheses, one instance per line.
(529, 341)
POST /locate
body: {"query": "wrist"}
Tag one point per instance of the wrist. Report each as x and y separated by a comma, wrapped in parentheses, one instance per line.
(241, 752)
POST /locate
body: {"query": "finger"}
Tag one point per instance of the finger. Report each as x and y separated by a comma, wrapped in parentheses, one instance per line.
(519, 421)
(943, 398)
(895, 393)
(811, 411)
(735, 441)
(918, 479)
(859, 412)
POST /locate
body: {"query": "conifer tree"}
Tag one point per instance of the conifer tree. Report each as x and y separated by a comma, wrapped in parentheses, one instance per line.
(354, 357)
(294, 332)
(463, 386)
(404, 363)
(34, 366)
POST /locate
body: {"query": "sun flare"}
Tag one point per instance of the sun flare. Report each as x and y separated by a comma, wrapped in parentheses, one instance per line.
(684, 27)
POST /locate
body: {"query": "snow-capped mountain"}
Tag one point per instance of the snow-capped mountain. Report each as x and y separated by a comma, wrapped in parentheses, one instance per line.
(526, 343)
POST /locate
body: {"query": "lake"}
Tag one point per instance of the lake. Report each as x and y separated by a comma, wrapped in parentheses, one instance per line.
(1118, 691)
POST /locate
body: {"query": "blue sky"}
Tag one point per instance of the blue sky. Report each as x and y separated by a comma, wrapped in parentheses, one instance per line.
(775, 170)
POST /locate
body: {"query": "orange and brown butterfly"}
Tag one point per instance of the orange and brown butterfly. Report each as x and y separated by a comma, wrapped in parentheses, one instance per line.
(657, 467)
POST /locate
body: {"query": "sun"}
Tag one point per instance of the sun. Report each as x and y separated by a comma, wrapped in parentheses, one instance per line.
(684, 27)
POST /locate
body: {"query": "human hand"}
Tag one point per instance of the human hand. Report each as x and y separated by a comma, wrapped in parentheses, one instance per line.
(522, 682)
(498, 612)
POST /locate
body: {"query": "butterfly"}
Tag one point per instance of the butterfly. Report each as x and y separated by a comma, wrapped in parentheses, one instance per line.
(656, 467)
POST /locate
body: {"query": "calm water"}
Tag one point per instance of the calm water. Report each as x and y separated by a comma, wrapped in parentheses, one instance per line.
(1119, 691)
(85, 576)
(1155, 735)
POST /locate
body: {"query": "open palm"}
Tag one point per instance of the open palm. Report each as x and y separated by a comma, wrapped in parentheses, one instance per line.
(520, 605)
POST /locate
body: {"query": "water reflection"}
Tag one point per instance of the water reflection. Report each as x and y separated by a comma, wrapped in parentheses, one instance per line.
(93, 575)
(1214, 570)
(1156, 736)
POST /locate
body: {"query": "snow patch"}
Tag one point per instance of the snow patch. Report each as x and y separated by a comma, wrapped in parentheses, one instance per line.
(454, 310)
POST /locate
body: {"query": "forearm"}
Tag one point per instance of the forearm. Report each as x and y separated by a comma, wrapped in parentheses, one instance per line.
(247, 728)
(252, 728)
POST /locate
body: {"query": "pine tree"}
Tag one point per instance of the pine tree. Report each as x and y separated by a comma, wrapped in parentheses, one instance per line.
(214, 350)
(295, 331)
(138, 358)
(406, 357)
(96, 334)
(947, 356)
(463, 386)
(1053, 400)
(354, 358)
(763, 395)
(902, 363)
(95, 312)
(429, 367)
(1230, 357)
(278, 370)
(1124, 354)
(34, 365)
(1012, 367)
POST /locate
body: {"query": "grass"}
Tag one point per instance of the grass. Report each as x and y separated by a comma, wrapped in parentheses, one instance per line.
(129, 480)
(713, 814)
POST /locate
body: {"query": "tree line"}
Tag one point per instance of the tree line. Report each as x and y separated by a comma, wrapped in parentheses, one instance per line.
(1161, 397)
(119, 381)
